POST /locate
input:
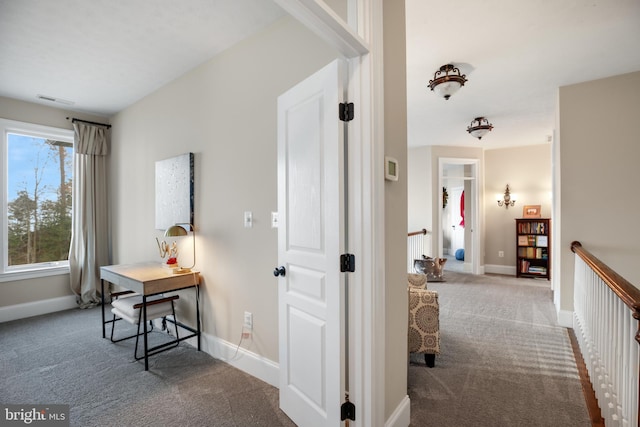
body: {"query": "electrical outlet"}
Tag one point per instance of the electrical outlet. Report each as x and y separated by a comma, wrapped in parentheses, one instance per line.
(247, 326)
(500, 254)
(248, 321)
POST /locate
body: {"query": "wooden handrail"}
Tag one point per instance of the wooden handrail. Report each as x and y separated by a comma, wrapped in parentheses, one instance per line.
(628, 293)
(415, 233)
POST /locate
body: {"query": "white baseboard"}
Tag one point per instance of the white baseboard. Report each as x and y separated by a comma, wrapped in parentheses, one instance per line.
(509, 270)
(401, 417)
(565, 318)
(36, 308)
(254, 364)
(247, 361)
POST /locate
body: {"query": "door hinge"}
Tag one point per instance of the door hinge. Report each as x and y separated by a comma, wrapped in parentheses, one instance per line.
(347, 263)
(346, 111)
(348, 411)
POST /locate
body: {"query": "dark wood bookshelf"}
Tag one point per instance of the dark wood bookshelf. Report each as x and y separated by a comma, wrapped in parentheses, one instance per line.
(533, 247)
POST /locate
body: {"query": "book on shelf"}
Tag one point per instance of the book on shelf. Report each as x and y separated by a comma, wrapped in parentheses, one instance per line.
(537, 269)
(532, 227)
(542, 241)
(527, 268)
(524, 240)
(532, 252)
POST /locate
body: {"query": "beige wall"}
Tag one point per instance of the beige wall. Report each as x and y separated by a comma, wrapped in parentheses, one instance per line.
(30, 290)
(395, 136)
(599, 175)
(527, 170)
(225, 113)
(419, 189)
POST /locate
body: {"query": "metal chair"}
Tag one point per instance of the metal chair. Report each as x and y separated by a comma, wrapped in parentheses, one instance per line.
(127, 305)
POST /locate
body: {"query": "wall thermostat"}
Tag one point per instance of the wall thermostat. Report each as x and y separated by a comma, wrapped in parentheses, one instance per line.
(390, 169)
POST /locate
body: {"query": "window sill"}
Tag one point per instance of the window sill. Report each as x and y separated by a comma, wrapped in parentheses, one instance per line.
(11, 276)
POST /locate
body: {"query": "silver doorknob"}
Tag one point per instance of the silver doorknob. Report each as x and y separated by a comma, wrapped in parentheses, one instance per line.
(279, 271)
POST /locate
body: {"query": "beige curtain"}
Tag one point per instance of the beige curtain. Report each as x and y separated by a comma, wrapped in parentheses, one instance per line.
(90, 244)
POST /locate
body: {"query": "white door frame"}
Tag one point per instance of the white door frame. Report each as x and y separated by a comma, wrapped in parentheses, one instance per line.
(476, 223)
(363, 49)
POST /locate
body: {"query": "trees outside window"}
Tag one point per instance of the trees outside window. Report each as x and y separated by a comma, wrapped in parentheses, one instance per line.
(39, 173)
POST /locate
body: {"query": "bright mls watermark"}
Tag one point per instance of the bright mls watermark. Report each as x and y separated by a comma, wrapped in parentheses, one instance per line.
(34, 415)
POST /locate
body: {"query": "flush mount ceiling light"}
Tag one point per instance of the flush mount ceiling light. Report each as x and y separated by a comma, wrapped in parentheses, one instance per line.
(479, 127)
(447, 81)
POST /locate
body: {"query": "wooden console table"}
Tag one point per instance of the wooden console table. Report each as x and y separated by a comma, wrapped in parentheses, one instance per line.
(147, 279)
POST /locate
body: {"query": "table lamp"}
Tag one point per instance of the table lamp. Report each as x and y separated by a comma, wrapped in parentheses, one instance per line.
(180, 230)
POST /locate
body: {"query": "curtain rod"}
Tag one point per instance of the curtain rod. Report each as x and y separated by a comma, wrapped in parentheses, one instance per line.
(73, 120)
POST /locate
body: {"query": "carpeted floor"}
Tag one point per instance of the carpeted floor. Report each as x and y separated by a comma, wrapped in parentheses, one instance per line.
(61, 358)
(453, 264)
(504, 360)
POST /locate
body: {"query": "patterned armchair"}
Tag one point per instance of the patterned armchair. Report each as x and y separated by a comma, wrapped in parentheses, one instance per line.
(424, 319)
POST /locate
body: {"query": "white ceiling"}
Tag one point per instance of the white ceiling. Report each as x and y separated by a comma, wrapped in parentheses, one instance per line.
(104, 55)
(515, 54)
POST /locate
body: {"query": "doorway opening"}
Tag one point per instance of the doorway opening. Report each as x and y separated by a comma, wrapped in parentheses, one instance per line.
(458, 219)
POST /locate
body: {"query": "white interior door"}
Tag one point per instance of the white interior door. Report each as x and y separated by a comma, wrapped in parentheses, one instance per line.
(310, 241)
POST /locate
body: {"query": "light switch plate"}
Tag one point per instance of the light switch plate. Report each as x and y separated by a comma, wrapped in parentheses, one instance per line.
(248, 219)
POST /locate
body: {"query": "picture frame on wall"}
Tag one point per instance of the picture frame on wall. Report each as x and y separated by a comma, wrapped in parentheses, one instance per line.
(531, 211)
(174, 191)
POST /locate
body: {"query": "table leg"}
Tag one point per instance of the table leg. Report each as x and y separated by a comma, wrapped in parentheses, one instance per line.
(144, 316)
(104, 331)
(198, 314)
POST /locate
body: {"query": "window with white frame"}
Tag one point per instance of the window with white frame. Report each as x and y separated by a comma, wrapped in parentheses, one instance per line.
(37, 176)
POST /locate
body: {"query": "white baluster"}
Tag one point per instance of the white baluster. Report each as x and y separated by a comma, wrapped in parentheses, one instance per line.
(606, 336)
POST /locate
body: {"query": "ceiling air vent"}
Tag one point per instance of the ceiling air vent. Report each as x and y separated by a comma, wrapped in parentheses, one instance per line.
(52, 99)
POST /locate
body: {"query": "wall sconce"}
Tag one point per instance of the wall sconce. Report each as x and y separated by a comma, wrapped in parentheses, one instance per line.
(447, 81)
(479, 127)
(178, 230)
(506, 199)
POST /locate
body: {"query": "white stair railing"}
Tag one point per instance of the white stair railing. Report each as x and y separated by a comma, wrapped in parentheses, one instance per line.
(415, 247)
(606, 314)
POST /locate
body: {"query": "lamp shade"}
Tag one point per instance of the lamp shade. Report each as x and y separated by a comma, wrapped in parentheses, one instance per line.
(177, 230)
(445, 90)
(479, 127)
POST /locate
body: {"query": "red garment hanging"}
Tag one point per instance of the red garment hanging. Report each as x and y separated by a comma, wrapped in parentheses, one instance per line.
(462, 208)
